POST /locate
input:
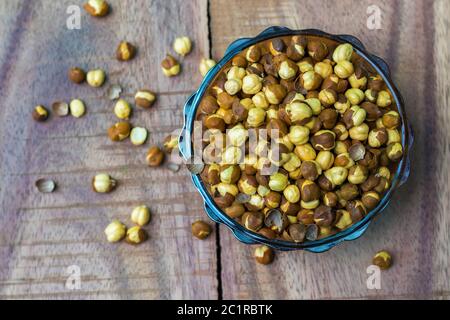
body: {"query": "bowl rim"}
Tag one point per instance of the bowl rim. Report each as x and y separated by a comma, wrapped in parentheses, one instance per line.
(406, 134)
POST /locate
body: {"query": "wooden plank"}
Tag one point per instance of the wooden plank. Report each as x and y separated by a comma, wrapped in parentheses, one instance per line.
(415, 228)
(441, 53)
(42, 235)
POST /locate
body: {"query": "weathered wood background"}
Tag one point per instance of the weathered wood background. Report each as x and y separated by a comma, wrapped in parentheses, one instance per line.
(42, 235)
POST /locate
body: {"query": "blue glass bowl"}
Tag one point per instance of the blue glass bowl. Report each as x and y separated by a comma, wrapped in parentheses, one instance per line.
(249, 237)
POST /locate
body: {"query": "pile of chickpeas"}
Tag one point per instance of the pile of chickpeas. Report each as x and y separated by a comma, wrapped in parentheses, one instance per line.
(328, 139)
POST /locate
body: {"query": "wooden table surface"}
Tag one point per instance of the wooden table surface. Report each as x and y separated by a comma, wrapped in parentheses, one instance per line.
(42, 235)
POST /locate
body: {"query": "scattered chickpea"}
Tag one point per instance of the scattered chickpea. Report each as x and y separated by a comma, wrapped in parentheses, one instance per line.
(200, 229)
(140, 215)
(138, 136)
(95, 78)
(103, 183)
(155, 156)
(144, 98)
(97, 8)
(122, 109)
(60, 108)
(40, 113)
(182, 46)
(119, 131)
(77, 75)
(115, 231)
(136, 235)
(170, 66)
(77, 108)
(125, 51)
(264, 254)
(382, 259)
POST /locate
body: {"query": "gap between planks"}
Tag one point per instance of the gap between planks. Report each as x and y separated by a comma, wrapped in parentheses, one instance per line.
(217, 226)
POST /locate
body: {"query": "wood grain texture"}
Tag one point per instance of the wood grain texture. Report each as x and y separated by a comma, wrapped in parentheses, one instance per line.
(415, 227)
(43, 234)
